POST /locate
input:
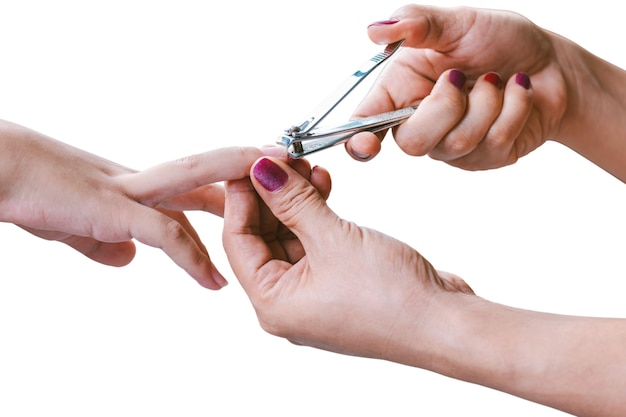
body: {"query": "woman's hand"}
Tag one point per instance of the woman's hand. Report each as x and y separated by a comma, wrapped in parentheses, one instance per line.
(321, 281)
(471, 69)
(97, 207)
(317, 279)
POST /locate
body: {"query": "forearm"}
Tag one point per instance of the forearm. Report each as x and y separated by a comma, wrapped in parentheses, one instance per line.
(22, 153)
(9, 158)
(594, 124)
(574, 364)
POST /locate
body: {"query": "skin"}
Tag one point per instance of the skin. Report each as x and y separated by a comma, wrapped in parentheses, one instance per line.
(575, 98)
(369, 295)
(58, 192)
(355, 291)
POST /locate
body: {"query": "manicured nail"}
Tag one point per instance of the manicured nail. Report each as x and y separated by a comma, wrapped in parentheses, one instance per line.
(384, 22)
(274, 150)
(494, 79)
(269, 174)
(523, 80)
(457, 78)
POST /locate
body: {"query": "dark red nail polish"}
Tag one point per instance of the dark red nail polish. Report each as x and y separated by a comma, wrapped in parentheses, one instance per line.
(457, 78)
(523, 80)
(494, 79)
(269, 174)
(384, 22)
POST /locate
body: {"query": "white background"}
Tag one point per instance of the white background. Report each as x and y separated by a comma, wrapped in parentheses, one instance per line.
(142, 82)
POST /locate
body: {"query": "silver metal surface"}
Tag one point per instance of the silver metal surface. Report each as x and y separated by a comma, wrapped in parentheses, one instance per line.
(322, 138)
(307, 138)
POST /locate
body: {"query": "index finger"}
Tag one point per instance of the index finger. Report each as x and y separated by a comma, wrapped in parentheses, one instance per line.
(169, 179)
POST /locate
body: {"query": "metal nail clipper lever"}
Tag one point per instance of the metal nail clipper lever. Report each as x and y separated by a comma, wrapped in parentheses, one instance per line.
(306, 138)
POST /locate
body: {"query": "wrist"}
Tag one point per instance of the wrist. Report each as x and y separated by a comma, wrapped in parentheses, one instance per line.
(593, 122)
(537, 356)
(468, 338)
(436, 334)
(14, 145)
(6, 165)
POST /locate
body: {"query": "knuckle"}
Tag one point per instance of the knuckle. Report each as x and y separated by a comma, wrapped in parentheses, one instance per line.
(500, 135)
(188, 162)
(459, 144)
(174, 231)
(294, 204)
(418, 145)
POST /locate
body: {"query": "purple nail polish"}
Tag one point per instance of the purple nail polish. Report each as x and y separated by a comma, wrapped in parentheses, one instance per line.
(384, 22)
(457, 78)
(269, 174)
(523, 80)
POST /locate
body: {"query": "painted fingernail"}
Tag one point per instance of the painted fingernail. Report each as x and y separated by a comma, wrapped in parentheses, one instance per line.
(457, 78)
(523, 79)
(494, 79)
(384, 22)
(270, 175)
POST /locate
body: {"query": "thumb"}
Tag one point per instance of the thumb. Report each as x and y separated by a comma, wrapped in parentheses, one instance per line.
(423, 27)
(293, 200)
